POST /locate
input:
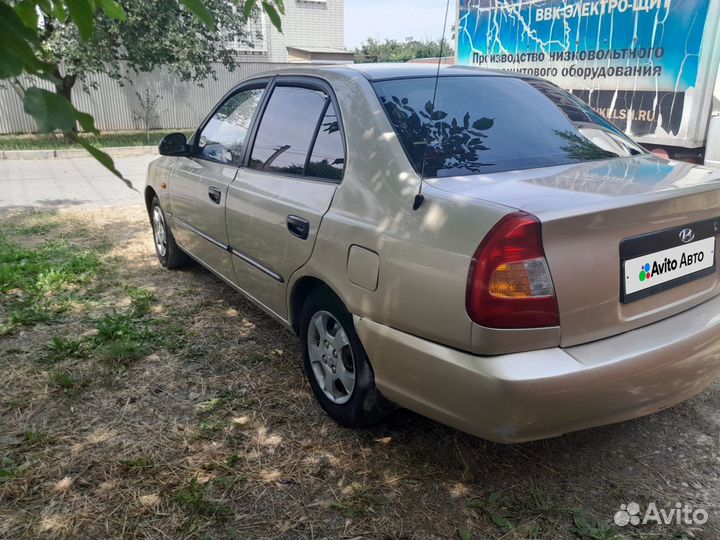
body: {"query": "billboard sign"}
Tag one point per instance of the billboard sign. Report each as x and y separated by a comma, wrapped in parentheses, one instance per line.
(634, 61)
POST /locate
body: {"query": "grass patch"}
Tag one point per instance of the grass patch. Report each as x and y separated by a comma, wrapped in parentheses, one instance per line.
(141, 299)
(497, 510)
(194, 500)
(61, 348)
(585, 527)
(38, 284)
(207, 430)
(66, 382)
(53, 142)
(140, 463)
(36, 437)
(211, 405)
(360, 504)
(11, 468)
(123, 337)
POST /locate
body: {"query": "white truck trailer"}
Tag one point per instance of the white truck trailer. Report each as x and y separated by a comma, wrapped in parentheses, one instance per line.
(649, 66)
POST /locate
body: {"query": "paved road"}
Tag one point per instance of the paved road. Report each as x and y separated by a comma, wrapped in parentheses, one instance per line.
(69, 182)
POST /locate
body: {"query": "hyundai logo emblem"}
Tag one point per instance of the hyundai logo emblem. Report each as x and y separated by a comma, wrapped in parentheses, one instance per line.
(687, 235)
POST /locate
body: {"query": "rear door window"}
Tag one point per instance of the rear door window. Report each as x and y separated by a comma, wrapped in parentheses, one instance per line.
(299, 134)
(287, 129)
(328, 156)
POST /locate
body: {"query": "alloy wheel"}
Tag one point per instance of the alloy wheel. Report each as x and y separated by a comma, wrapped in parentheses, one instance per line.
(331, 357)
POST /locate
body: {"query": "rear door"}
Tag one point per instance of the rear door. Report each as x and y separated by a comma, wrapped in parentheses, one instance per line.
(199, 184)
(276, 203)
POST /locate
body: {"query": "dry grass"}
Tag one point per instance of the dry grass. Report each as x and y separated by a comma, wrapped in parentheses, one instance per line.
(193, 419)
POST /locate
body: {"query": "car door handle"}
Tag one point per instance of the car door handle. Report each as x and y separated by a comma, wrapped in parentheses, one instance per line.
(298, 226)
(215, 194)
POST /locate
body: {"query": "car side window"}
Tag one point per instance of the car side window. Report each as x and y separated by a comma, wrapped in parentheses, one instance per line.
(328, 155)
(223, 136)
(287, 129)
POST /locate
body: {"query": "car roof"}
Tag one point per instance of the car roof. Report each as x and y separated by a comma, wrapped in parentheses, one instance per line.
(380, 71)
(384, 71)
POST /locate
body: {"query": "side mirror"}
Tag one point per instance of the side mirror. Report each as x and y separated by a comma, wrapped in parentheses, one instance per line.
(174, 144)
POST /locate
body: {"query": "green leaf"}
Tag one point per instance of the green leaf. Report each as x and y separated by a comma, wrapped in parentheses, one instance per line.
(86, 121)
(27, 13)
(198, 8)
(273, 14)
(585, 528)
(464, 534)
(11, 25)
(112, 9)
(45, 6)
(500, 521)
(53, 112)
(105, 160)
(59, 11)
(248, 7)
(483, 123)
(82, 12)
(17, 57)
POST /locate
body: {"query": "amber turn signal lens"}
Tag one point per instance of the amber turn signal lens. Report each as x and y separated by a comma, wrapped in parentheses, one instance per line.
(522, 279)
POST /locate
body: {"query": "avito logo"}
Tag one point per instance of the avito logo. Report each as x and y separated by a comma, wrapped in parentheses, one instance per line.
(645, 272)
(668, 265)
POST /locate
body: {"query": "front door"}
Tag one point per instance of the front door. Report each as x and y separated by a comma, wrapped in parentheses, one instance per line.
(198, 189)
(276, 203)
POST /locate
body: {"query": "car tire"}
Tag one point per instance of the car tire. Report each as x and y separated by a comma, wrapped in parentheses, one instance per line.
(335, 359)
(168, 252)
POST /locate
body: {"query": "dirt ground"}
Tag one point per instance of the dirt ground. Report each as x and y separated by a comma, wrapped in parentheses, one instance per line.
(161, 404)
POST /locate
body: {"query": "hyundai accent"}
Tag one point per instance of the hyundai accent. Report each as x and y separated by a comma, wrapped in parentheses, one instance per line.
(479, 247)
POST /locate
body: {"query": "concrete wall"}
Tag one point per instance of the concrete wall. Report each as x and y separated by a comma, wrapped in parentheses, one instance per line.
(183, 104)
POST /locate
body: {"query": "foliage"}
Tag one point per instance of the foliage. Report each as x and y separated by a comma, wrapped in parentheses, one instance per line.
(122, 337)
(36, 285)
(446, 144)
(390, 50)
(586, 528)
(194, 499)
(581, 148)
(158, 33)
(62, 40)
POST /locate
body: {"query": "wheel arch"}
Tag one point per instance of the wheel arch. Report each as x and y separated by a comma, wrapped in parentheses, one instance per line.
(149, 195)
(301, 290)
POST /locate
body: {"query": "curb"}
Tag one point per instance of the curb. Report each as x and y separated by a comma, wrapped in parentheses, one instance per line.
(114, 152)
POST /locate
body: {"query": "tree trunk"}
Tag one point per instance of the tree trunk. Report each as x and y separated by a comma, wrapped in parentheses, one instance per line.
(63, 87)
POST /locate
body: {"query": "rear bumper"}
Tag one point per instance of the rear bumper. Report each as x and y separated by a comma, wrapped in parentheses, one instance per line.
(548, 392)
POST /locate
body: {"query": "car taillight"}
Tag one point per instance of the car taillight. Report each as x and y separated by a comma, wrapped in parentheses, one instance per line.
(509, 284)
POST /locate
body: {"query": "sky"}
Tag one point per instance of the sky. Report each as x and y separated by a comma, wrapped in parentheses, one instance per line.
(395, 19)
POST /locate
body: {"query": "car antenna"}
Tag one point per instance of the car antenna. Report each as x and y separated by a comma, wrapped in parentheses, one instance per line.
(420, 198)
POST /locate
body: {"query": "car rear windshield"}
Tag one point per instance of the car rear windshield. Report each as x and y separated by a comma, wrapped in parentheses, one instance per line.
(485, 124)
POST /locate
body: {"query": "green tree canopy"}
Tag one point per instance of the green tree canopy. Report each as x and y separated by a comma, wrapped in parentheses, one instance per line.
(391, 50)
(63, 40)
(152, 33)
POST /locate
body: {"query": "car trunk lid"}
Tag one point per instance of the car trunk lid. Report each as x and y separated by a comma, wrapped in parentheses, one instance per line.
(587, 211)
